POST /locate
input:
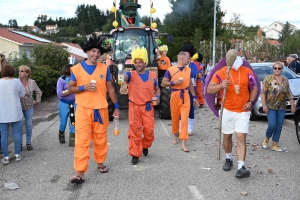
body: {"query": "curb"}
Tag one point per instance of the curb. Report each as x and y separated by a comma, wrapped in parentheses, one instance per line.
(45, 118)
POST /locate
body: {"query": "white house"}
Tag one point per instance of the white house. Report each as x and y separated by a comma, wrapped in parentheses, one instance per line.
(274, 30)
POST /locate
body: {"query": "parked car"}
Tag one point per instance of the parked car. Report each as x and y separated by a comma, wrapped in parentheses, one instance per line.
(265, 69)
(297, 120)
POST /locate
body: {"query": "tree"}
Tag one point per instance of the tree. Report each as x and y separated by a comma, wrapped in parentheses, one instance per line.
(12, 23)
(292, 43)
(50, 54)
(286, 32)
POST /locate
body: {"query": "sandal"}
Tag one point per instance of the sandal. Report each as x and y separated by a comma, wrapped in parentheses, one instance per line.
(77, 180)
(186, 150)
(29, 147)
(103, 169)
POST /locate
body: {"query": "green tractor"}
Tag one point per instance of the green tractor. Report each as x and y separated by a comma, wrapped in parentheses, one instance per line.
(124, 40)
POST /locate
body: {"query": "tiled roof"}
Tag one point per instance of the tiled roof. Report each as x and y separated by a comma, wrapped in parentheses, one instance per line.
(17, 38)
(75, 49)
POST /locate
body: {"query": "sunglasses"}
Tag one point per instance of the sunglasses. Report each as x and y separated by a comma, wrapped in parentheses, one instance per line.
(22, 71)
(275, 68)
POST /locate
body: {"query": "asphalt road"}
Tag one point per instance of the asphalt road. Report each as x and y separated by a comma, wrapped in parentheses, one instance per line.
(167, 173)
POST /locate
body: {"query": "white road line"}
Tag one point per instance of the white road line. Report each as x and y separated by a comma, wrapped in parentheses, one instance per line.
(164, 128)
(195, 192)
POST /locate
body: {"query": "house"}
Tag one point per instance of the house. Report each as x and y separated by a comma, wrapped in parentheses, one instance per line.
(274, 30)
(19, 42)
(75, 50)
(50, 29)
(34, 29)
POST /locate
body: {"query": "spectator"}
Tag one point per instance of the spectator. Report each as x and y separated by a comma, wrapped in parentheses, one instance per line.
(141, 84)
(11, 90)
(2, 62)
(92, 118)
(209, 67)
(66, 106)
(294, 63)
(275, 91)
(28, 102)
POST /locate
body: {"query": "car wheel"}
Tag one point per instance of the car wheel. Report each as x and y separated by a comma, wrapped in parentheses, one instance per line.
(253, 116)
(298, 128)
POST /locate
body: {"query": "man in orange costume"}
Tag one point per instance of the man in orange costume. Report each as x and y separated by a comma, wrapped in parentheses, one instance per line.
(92, 118)
(178, 77)
(240, 96)
(199, 80)
(141, 86)
(164, 61)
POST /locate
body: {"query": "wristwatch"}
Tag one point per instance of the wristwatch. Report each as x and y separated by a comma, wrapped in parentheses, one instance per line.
(252, 102)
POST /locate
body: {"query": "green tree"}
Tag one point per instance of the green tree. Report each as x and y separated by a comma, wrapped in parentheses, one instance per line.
(50, 55)
(292, 43)
(286, 32)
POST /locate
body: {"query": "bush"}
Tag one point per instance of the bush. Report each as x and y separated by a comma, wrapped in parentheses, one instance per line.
(46, 78)
(50, 54)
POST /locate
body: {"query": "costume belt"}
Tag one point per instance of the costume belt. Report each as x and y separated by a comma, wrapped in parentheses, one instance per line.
(181, 93)
(97, 116)
(148, 105)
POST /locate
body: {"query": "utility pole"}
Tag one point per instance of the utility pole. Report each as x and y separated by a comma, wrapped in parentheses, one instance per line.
(214, 37)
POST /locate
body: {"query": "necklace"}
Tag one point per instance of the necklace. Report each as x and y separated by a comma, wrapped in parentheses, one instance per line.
(236, 86)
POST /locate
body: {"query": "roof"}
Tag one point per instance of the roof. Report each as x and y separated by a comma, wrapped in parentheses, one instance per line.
(21, 38)
(273, 42)
(75, 49)
(259, 33)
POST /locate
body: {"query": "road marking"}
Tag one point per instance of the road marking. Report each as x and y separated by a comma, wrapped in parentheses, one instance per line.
(164, 128)
(196, 192)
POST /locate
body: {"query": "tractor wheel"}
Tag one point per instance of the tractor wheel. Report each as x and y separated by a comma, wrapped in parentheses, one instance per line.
(164, 105)
(110, 108)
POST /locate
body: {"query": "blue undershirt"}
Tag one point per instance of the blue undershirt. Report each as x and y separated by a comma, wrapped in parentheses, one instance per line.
(90, 69)
(144, 77)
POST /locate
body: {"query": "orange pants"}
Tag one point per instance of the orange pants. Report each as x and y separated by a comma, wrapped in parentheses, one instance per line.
(87, 130)
(141, 122)
(199, 91)
(178, 109)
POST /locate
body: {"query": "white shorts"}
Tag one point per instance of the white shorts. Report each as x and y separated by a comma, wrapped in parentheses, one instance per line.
(235, 122)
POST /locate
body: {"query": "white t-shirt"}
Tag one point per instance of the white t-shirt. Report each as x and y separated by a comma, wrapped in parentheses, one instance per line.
(10, 105)
(208, 69)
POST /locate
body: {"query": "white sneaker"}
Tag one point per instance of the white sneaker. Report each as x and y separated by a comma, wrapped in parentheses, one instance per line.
(18, 157)
(5, 160)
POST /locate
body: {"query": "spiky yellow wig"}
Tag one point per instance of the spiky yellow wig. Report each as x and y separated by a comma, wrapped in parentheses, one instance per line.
(163, 48)
(139, 53)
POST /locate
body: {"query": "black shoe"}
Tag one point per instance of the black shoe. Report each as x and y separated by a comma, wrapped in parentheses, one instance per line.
(242, 173)
(145, 152)
(228, 164)
(134, 160)
(61, 137)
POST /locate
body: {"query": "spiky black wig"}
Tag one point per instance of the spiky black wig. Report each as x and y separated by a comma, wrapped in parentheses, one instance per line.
(200, 57)
(188, 48)
(95, 41)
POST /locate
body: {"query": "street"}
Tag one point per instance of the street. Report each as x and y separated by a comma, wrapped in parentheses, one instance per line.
(167, 173)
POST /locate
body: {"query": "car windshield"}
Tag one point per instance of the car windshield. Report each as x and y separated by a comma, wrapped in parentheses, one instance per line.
(126, 41)
(263, 71)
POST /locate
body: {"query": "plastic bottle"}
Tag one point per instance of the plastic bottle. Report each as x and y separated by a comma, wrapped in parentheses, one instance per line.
(116, 126)
(218, 101)
(121, 74)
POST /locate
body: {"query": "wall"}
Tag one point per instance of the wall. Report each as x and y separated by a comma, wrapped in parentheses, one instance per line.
(8, 47)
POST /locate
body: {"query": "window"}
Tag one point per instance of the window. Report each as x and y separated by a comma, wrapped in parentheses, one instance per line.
(27, 53)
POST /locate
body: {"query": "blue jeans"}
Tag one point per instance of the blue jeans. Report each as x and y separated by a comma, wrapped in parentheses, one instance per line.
(28, 124)
(63, 109)
(4, 128)
(275, 121)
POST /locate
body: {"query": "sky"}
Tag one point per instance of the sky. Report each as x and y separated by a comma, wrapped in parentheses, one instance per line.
(254, 12)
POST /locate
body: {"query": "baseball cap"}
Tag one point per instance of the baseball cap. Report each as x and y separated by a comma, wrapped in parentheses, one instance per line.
(294, 56)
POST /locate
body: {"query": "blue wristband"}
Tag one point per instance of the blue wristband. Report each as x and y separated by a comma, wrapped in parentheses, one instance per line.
(81, 88)
(195, 97)
(172, 83)
(158, 96)
(117, 106)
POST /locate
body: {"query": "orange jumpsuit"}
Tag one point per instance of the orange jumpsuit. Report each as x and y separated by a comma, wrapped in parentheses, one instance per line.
(199, 84)
(164, 63)
(180, 100)
(141, 121)
(89, 102)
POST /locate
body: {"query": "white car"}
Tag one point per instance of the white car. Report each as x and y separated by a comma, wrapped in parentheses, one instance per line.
(265, 69)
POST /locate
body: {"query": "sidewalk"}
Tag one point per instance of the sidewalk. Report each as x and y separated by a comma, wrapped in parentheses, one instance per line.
(46, 109)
